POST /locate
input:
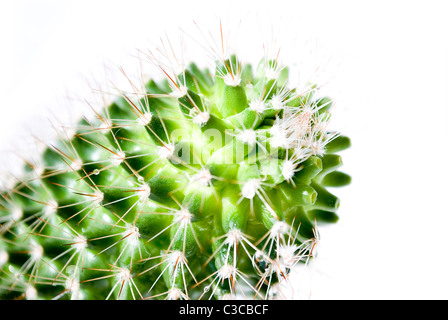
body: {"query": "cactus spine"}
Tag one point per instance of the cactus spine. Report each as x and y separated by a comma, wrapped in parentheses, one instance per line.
(200, 186)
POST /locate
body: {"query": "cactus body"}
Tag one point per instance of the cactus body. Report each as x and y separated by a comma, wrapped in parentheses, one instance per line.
(202, 186)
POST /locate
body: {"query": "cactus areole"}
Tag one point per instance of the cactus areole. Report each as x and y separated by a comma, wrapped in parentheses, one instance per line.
(204, 185)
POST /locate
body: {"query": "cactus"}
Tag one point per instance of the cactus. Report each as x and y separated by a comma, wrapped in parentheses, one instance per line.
(204, 185)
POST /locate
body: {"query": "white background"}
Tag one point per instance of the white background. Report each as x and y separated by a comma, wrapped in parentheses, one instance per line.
(391, 86)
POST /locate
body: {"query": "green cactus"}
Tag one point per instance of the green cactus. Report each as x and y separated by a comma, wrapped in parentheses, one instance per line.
(201, 186)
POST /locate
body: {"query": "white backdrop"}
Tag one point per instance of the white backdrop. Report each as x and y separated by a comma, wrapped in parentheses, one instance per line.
(390, 85)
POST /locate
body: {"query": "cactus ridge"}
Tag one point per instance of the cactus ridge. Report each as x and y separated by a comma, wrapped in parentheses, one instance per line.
(200, 186)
